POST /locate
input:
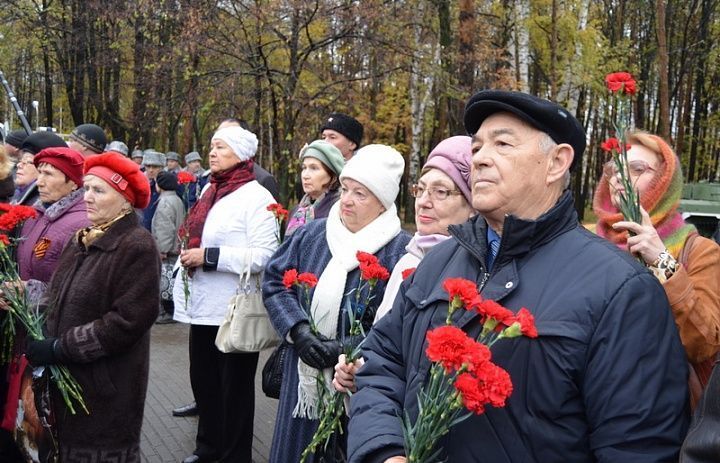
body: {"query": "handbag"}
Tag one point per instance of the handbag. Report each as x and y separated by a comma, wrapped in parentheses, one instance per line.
(246, 327)
(167, 279)
(702, 444)
(272, 372)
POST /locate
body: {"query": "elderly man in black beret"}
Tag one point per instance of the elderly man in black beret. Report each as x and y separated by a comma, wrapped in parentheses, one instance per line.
(605, 381)
(88, 139)
(344, 132)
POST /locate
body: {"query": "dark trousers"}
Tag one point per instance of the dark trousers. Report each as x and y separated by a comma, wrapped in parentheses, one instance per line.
(224, 389)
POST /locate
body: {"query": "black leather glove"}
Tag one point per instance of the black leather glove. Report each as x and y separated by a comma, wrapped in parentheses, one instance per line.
(315, 350)
(45, 352)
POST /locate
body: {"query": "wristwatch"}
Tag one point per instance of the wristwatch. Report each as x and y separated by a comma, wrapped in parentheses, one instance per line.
(664, 266)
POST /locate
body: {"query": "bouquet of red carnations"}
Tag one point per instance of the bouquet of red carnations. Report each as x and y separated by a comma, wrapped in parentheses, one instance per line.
(463, 378)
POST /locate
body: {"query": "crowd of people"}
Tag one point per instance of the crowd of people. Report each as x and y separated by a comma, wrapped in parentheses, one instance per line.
(626, 313)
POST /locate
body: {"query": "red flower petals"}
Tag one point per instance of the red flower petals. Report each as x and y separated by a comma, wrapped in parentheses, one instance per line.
(15, 215)
(278, 211)
(622, 82)
(308, 279)
(407, 272)
(184, 177)
(461, 291)
(290, 278)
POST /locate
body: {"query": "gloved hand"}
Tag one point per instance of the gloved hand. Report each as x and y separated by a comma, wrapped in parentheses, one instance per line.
(315, 350)
(41, 353)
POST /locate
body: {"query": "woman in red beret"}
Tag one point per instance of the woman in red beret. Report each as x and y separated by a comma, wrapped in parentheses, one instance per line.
(100, 305)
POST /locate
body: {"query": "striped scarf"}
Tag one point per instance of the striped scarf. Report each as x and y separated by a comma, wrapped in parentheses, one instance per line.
(661, 200)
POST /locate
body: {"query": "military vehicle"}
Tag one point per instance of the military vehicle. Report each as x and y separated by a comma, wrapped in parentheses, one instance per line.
(700, 205)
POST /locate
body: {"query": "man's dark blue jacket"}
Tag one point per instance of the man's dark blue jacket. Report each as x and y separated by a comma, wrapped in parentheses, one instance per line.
(605, 381)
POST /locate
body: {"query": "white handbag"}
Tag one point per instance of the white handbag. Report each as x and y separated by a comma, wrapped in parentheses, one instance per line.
(246, 327)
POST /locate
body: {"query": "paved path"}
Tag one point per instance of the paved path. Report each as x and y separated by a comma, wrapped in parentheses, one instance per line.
(168, 439)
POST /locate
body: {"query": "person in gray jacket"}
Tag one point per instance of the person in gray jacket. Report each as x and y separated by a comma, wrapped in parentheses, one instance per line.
(166, 221)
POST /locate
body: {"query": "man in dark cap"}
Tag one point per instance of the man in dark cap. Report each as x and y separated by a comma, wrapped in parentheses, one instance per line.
(26, 191)
(88, 139)
(13, 143)
(343, 131)
(605, 381)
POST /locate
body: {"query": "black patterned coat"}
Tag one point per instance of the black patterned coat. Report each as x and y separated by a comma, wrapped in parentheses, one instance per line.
(102, 303)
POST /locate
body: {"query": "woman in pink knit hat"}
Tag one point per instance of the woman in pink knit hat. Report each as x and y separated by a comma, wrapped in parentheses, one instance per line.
(442, 198)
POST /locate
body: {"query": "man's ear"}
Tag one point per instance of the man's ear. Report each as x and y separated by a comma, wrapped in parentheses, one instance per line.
(561, 158)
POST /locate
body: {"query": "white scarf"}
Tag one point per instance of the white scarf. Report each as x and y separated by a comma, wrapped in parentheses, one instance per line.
(327, 299)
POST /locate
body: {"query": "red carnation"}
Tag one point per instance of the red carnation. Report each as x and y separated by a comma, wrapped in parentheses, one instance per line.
(278, 211)
(495, 384)
(184, 177)
(4, 239)
(448, 345)
(373, 272)
(491, 309)
(308, 279)
(366, 258)
(468, 387)
(612, 144)
(407, 272)
(290, 278)
(622, 82)
(461, 291)
(476, 355)
(15, 215)
(527, 323)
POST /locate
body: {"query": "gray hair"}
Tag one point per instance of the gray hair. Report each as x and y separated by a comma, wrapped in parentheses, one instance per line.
(546, 144)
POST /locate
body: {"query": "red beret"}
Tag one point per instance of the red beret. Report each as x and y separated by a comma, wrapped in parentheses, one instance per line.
(66, 160)
(123, 175)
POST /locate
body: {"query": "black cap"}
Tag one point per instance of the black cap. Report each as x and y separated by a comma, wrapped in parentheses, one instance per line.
(91, 136)
(542, 114)
(346, 125)
(38, 141)
(16, 138)
(167, 181)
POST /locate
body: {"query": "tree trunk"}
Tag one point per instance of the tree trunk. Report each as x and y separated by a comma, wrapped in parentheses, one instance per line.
(664, 90)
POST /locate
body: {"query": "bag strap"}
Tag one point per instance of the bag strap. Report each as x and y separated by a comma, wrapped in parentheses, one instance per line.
(244, 278)
(685, 253)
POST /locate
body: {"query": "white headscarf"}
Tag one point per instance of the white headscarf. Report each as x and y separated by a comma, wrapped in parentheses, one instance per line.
(243, 142)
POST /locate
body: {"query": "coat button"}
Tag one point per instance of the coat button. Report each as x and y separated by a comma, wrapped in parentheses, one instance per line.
(423, 302)
(509, 284)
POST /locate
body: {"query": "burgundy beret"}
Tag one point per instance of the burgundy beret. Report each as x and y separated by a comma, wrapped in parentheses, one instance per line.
(66, 160)
(123, 175)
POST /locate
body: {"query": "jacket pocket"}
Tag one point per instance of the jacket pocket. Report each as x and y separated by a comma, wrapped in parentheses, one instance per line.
(101, 379)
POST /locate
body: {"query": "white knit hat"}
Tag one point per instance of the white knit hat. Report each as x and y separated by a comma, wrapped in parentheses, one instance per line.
(243, 142)
(379, 168)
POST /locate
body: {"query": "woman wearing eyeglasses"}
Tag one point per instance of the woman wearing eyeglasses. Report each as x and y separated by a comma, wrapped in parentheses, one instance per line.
(442, 198)
(687, 265)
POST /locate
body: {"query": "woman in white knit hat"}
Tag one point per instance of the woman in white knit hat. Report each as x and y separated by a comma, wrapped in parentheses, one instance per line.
(228, 231)
(364, 219)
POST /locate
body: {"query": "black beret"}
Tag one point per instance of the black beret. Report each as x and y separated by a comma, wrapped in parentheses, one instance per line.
(90, 136)
(16, 138)
(542, 114)
(38, 141)
(346, 125)
(167, 181)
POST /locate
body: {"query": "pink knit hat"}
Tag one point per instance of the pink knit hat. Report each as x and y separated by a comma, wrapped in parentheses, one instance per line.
(453, 157)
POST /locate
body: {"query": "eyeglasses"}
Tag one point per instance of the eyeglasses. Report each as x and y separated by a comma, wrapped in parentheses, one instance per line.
(25, 162)
(437, 194)
(636, 168)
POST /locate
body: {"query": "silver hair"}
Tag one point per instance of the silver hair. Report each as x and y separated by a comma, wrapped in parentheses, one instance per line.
(546, 144)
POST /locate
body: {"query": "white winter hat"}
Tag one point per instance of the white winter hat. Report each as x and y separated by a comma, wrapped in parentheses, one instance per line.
(243, 142)
(379, 168)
